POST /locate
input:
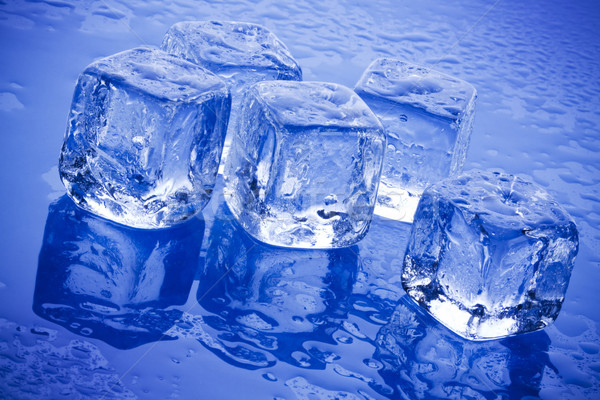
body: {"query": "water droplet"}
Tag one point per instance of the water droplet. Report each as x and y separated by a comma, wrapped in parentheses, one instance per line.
(345, 339)
(86, 331)
(269, 376)
(372, 363)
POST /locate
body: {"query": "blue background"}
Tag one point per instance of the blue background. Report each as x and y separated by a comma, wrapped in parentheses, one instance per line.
(276, 324)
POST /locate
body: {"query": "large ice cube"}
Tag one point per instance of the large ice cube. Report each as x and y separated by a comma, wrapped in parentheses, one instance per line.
(428, 117)
(304, 165)
(111, 282)
(239, 52)
(144, 138)
(490, 255)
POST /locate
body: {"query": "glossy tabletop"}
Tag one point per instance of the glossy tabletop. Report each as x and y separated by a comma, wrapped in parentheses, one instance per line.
(90, 309)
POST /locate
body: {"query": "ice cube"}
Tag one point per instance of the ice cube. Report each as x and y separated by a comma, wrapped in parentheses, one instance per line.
(239, 52)
(304, 165)
(490, 255)
(111, 282)
(427, 117)
(144, 138)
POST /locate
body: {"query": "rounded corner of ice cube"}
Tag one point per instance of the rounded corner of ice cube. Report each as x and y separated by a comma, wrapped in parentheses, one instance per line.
(472, 99)
(292, 73)
(379, 62)
(180, 25)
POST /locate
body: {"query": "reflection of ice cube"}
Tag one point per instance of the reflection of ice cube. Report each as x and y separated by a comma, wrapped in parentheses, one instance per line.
(270, 301)
(490, 255)
(421, 360)
(241, 53)
(144, 138)
(428, 118)
(113, 283)
(305, 165)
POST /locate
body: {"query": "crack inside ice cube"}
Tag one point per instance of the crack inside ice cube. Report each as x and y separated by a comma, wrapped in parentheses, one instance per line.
(490, 255)
(144, 138)
(305, 164)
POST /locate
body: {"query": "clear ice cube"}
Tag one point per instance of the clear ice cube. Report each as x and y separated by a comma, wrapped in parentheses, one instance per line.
(490, 255)
(110, 282)
(428, 118)
(304, 165)
(144, 138)
(241, 53)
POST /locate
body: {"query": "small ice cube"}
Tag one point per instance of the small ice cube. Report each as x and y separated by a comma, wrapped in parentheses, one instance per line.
(304, 165)
(490, 255)
(239, 52)
(144, 138)
(427, 117)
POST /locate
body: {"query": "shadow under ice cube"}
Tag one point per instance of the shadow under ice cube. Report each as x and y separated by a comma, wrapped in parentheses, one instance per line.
(304, 165)
(428, 118)
(144, 138)
(490, 255)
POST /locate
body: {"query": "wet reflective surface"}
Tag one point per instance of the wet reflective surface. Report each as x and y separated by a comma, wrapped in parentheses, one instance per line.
(110, 282)
(90, 309)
